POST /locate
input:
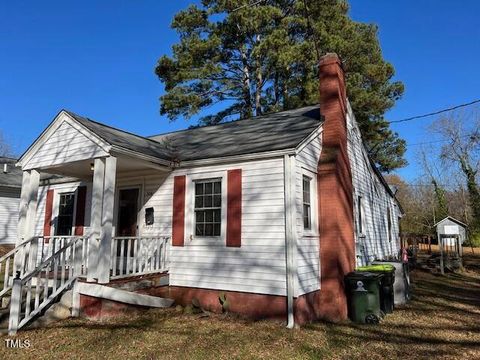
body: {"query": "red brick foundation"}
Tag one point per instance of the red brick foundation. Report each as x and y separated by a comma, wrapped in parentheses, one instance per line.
(248, 305)
(99, 309)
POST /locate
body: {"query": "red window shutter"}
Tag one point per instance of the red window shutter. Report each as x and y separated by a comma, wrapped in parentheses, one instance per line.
(234, 208)
(80, 210)
(178, 221)
(47, 223)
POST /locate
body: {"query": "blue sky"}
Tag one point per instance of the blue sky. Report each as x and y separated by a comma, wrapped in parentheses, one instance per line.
(97, 58)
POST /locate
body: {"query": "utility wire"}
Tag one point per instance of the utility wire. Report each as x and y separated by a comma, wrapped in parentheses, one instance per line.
(437, 141)
(434, 113)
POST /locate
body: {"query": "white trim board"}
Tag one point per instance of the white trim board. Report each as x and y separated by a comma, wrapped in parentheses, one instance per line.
(123, 296)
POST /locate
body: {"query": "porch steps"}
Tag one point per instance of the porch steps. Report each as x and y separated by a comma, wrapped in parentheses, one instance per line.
(57, 311)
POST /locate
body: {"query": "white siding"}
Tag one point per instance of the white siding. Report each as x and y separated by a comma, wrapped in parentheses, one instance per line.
(258, 266)
(374, 242)
(308, 252)
(9, 203)
(66, 144)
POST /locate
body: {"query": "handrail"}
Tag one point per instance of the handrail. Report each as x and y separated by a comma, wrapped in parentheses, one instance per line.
(39, 288)
(39, 267)
(17, 248)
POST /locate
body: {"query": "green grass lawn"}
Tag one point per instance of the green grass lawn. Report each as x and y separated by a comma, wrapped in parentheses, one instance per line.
(442, 321)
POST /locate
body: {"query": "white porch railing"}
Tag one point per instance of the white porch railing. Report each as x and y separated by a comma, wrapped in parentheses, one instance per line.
(139, 255)
(37, 271)
(18, 256)
(24, 257)
(37, 288)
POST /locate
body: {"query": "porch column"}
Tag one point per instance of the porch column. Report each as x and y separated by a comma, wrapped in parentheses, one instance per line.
(95, 218)
(22, 215)
(27, 215)
(105, 251)
(22, 211)
(31, 218)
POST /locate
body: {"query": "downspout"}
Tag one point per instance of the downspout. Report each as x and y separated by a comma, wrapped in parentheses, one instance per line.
(290, 235)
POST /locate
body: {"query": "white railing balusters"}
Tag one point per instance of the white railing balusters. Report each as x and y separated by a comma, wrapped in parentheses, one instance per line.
(29, 298)
(122, 248)
(139, 255)
(129, 251)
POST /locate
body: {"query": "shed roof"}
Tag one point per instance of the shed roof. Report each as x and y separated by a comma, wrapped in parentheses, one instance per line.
(452, 219)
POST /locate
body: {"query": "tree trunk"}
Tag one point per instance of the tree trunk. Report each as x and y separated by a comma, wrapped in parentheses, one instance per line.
(473, 193)
(258, 82)
(246, 111)
(258, 90)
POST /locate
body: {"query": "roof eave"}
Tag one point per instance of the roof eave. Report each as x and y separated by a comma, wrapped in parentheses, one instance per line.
(237, 158)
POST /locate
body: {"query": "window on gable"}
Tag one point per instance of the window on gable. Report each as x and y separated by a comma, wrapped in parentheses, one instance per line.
(307, 209)
(208, 206)
(65, 214)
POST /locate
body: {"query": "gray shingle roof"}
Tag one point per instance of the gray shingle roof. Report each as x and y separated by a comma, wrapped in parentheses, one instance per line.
(13, 177)
(122, 138)
(277, 131)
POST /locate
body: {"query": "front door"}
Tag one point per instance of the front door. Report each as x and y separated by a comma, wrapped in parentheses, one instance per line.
(127, 212)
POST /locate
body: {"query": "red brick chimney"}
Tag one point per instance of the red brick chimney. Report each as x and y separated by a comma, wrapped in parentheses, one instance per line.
(335, 193)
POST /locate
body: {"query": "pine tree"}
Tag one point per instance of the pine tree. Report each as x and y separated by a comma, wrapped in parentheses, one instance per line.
(263, 57)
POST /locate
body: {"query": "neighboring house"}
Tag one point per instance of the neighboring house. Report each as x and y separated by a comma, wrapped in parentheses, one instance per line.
(10, 185)
(271, 211)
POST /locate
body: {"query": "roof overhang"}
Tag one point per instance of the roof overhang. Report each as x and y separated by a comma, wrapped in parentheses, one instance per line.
(113, 150)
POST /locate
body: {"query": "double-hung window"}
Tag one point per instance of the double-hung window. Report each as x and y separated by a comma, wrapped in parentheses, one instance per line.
(307, 209)
(65, 214)
(208, 207)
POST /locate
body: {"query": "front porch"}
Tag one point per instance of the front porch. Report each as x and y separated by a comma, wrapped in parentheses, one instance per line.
(87, 188)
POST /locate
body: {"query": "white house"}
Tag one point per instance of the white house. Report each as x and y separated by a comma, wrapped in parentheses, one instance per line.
(10, 185)
(271, 211)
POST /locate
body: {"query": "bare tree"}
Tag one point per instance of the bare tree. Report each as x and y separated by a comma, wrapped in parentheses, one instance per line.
(5, 148)
(461, 133)
(434, 173)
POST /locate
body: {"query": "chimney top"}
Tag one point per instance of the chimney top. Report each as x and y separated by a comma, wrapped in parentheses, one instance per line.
(331, 58)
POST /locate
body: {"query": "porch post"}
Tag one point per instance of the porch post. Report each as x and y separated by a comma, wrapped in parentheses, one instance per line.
(95, 218)
(22, 211)
(105, 251)
(31, 218)
(22, 215)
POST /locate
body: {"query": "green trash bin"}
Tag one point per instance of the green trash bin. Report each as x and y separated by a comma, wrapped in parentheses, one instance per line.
(363, 297)
(387, 298)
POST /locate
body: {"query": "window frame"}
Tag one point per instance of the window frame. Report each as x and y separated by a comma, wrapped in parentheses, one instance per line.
(360, 216)
(389, 223)
(312, 176)
(205, 208)
(190, 237)
(56, 208)
(308, 180)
